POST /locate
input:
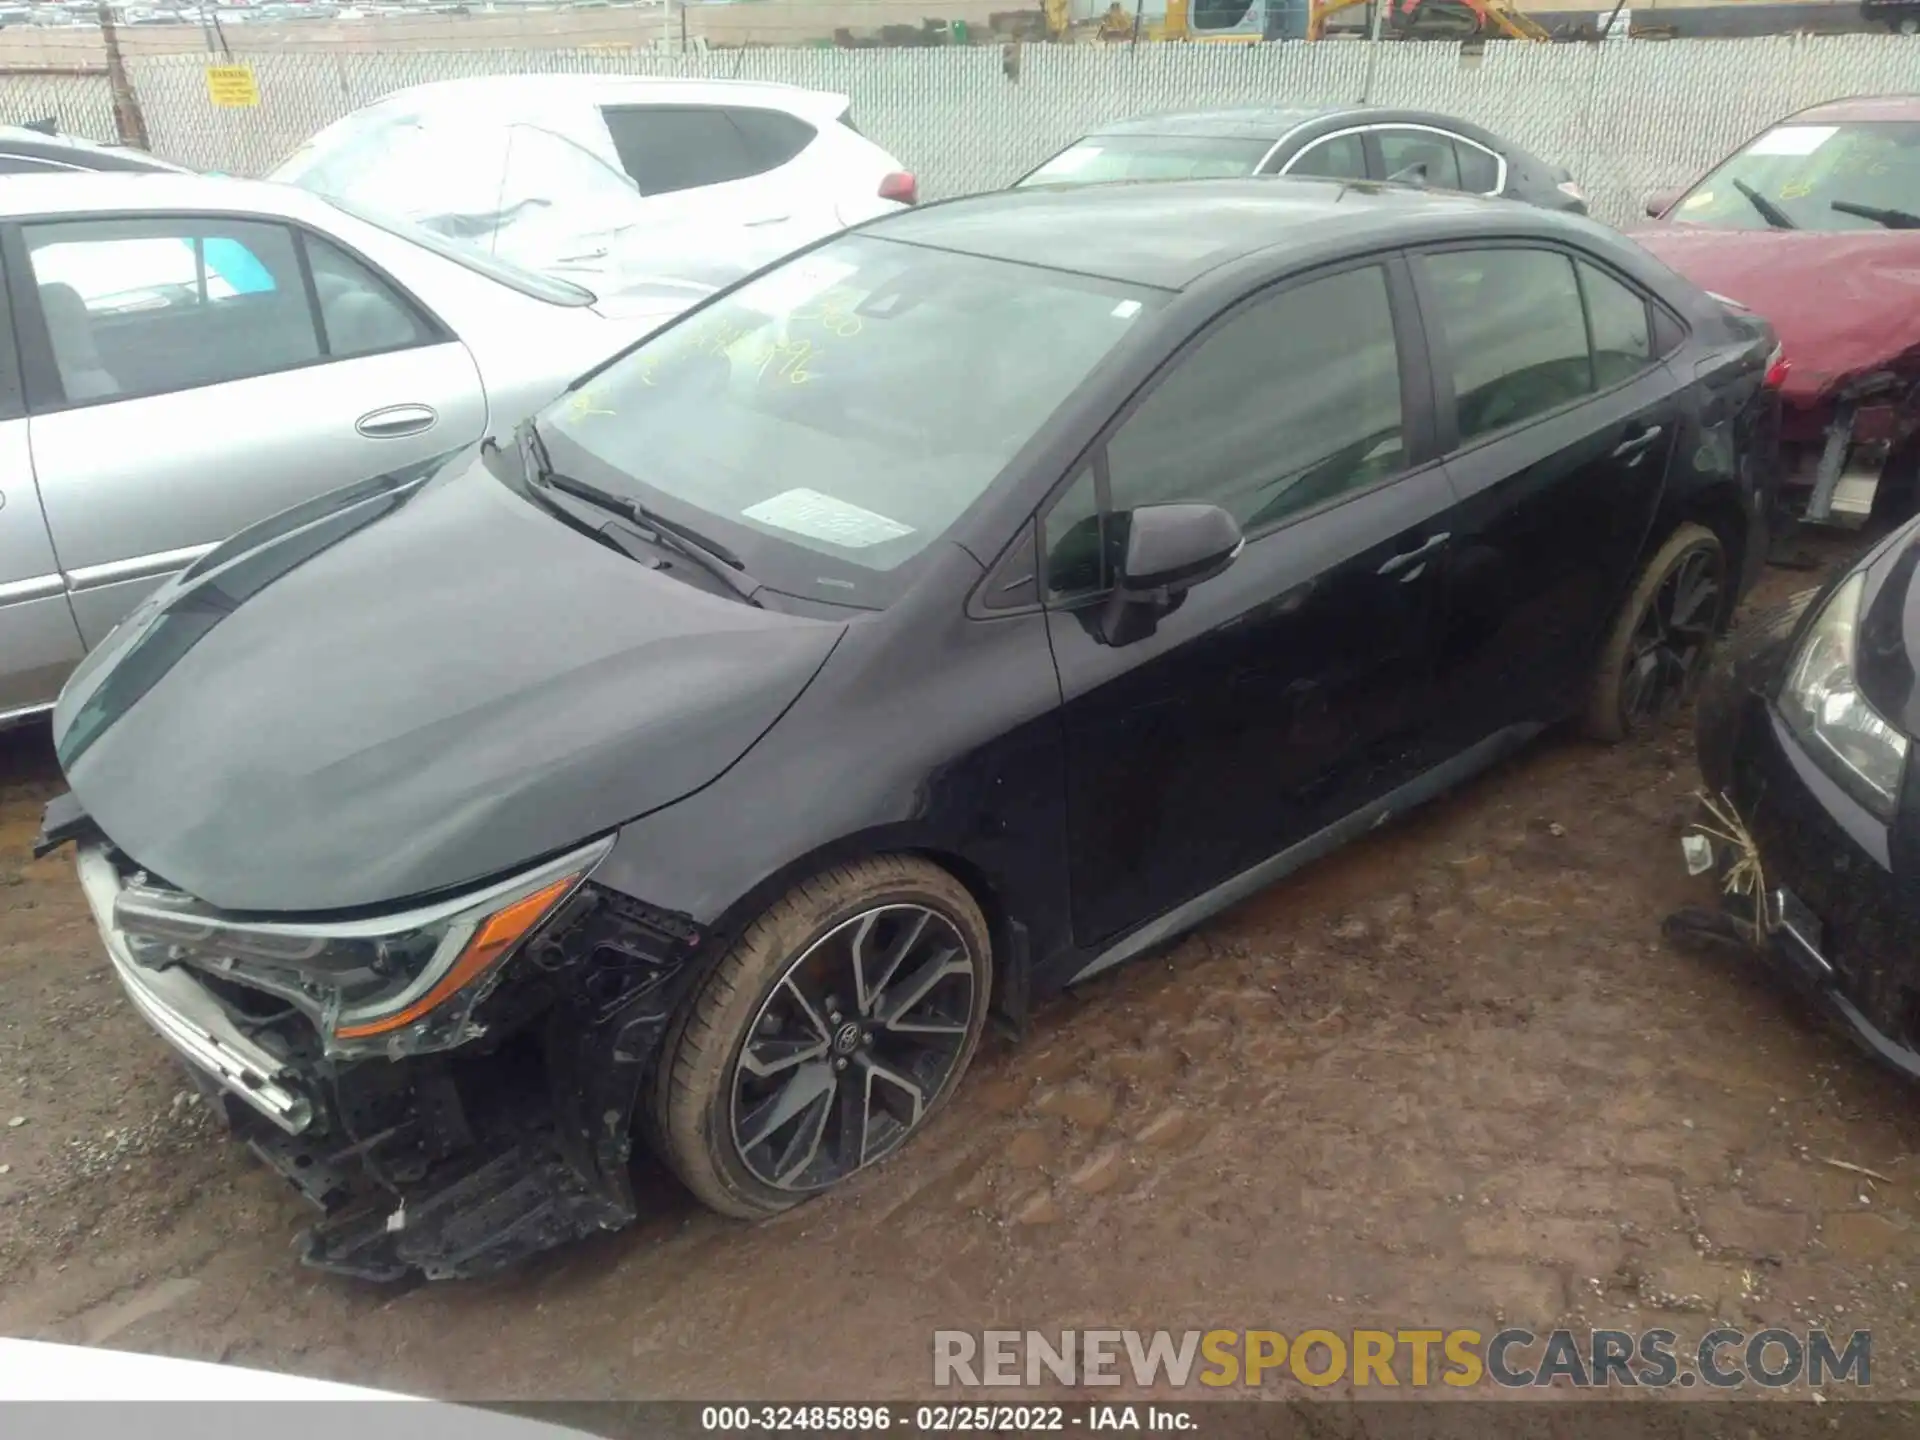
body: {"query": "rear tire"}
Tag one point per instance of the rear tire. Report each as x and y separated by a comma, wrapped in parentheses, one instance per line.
(1662, 638)
(835, 1027)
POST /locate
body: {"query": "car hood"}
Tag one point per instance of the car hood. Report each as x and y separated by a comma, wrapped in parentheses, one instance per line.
(1843, 303)
(407, 689)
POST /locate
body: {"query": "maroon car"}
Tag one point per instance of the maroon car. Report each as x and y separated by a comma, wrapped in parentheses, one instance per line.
(1815, 224)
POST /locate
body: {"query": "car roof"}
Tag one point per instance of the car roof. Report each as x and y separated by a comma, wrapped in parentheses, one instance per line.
(1253, 122)
(1168, 233)
(106, 191)
(1861, 107)
(25, 140)
(495, 91)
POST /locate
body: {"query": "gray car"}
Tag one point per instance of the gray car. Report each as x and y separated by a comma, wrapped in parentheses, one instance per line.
(1338, 142)
(184, 355)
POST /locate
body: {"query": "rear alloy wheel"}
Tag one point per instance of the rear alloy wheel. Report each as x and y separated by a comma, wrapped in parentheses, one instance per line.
(827, 1036)
(1662, 639)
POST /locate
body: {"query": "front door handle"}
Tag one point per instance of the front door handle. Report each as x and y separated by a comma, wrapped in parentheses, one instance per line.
(1634, 446)
(391, 422)
(1405, 558)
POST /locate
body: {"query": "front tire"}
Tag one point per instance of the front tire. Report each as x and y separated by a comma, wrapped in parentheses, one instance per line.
(838, 1023)
(1662, 638)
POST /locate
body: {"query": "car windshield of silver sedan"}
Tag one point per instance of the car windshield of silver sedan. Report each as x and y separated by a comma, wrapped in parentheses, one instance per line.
(1102, 158)
(848, 406)
(550, 288)
(1863, 176)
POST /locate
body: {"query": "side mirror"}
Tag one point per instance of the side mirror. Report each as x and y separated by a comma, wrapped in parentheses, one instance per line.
(1166, 551)
(1661, 201)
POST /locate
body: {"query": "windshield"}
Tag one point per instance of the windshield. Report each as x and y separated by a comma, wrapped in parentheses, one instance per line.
(513, 198)
(1151, 157)
(550, 288)
(1793, 176)
(838, 414)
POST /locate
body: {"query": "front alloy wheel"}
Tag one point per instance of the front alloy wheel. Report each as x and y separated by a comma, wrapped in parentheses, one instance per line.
(826, 1036)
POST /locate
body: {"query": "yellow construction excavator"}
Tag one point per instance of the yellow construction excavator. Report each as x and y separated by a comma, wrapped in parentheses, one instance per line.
(1436, 19)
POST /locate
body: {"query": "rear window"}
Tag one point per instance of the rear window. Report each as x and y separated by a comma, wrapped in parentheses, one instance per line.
(668, 148)
(1100, 158)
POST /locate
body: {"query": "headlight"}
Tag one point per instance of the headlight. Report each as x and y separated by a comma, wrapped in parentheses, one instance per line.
(393, 985)
(1822, 703)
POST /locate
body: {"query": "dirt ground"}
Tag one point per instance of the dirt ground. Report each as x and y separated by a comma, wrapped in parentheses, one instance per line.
(1452, 1076)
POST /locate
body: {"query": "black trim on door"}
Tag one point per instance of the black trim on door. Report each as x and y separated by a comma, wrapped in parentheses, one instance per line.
(13, 402)
(40, 377)
(312, 292)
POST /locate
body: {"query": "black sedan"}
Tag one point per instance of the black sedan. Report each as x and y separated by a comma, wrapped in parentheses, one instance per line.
(1811, 823)
(1354, 142)
(908, 632)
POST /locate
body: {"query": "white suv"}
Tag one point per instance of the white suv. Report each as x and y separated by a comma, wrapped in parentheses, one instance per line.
(582, 174)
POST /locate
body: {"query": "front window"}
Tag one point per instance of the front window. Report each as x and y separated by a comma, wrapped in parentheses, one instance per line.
(550, 288)
(1101, 158)
(1863, 176)
(833, 418)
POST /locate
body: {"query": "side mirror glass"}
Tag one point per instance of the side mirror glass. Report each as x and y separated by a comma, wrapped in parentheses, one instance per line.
(1661, 201)
(1164, 552)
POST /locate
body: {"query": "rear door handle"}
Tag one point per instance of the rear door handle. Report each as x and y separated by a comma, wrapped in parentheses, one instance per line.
(1635, 446)
(1397, 563)
(394, 421)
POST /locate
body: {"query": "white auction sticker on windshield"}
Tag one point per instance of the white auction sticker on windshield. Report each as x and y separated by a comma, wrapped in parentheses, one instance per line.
(1793, 140)
(821, 517)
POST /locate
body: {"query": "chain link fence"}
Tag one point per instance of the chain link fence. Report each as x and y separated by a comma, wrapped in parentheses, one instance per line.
(76, 96)
(1625, 117)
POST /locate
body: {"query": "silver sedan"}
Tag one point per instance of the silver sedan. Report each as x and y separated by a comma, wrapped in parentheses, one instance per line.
(187, 354)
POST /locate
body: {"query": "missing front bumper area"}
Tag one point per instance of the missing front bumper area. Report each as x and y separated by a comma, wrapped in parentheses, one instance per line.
(455, 1163)
(471, 1217)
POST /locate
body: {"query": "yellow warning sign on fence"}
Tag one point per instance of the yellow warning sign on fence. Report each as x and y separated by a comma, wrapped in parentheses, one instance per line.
(232, 85)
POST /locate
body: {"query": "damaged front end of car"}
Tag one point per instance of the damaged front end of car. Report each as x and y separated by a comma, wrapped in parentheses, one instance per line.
(1844, 305)
(452, 1085)
(1807, 817)
(1849, 452)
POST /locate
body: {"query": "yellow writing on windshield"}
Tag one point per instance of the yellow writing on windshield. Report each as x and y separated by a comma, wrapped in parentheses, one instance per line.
(834, 315)
(583, 403)
(753, 354)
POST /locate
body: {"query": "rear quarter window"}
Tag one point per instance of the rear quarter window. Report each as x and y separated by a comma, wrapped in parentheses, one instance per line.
(1479, 171)
(772, 137)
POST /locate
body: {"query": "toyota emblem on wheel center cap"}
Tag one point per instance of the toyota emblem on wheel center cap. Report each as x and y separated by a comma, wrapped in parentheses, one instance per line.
(846, 1039)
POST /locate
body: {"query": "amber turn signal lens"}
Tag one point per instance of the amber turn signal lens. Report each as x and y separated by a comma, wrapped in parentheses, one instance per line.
(502, 931)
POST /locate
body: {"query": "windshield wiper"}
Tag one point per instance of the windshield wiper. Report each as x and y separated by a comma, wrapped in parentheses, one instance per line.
(710, 555)
(1769, 212)
(1892, 219)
